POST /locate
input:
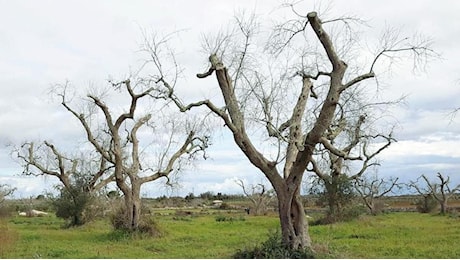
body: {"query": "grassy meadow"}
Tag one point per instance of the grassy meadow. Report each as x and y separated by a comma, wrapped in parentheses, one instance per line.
(392, 235)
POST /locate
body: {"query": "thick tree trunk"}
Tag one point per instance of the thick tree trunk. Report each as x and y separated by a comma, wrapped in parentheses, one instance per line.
(333, 201)
(132, 209)
(294, 227)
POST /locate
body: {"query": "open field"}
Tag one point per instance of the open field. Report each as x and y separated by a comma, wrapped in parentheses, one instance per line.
(393, 235)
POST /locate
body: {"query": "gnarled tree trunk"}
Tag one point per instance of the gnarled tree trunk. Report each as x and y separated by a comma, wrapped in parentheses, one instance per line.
(294, 227)
(132, 204)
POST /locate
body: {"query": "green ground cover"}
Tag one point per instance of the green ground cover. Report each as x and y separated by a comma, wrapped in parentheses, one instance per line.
(395, 235)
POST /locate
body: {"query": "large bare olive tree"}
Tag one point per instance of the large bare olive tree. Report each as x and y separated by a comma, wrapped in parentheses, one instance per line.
(280, 96)
(113, 128)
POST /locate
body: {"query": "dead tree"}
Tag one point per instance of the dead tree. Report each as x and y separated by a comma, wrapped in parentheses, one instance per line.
(259, 196)
(371, 190)
(440, 191)
(116, 140)
(290, 94)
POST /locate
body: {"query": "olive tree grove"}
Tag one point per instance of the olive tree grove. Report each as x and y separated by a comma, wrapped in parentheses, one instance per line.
(281, 98)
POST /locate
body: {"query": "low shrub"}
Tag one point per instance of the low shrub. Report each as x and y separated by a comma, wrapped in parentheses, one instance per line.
(348, 214)
(426, 204)
(229, 219)
(273, 247)
(147, 225)
(71, 204)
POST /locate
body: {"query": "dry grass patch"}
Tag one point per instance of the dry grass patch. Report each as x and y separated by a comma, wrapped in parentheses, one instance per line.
(8, 238)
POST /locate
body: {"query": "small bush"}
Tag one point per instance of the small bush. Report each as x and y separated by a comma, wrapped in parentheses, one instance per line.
(353, 212)
(273, 248)
(71, 204)
(146, 226)
(426, 204)
(149, 227)
(348, 214)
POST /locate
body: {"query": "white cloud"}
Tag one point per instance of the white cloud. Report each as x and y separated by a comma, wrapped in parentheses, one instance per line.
(434, 144)
(29, 186)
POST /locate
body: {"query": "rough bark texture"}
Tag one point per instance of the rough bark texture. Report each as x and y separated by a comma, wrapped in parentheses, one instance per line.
(292, 215)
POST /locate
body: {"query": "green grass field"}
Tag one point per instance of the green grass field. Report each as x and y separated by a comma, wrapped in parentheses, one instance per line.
(395, 235)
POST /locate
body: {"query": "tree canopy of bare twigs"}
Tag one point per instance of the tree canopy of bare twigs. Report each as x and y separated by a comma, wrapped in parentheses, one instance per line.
(374, 188)
(47, 160)
(283, 100)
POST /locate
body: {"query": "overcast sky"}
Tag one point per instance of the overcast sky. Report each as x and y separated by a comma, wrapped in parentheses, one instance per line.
(86, 42)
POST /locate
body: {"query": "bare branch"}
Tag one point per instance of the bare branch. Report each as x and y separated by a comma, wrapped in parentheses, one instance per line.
(191, 145)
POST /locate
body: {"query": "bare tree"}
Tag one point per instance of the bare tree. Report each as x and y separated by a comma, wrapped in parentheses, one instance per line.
(372, 189)
(346, 144)
(258, 195)
(258, 88)
(118, 143)
(441, 191)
